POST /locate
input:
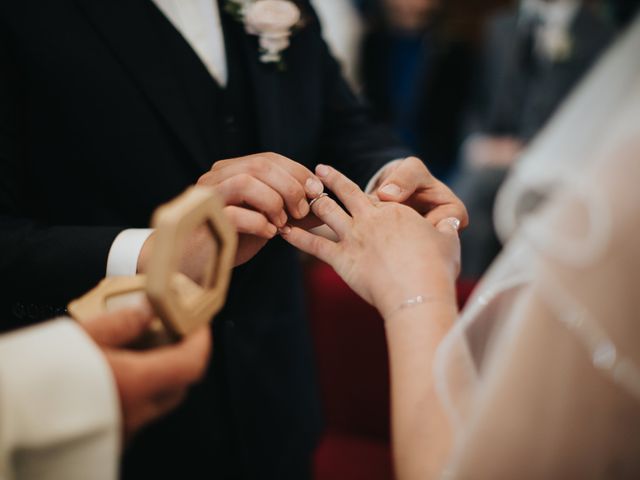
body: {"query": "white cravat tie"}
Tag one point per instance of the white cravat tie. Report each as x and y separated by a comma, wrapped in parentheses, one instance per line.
(199, 23)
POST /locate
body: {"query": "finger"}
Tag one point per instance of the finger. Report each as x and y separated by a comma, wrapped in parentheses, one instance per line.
(325, 232)
(249, 222)
(451, 210)
(313, 186)
(404, 180)
(272, 172)
(328, 210)
(121, 327)
(347, 191)
(245, 189)
(307, 223)
(319, 247)
(448, 226)
(176, 366)
(431, 197)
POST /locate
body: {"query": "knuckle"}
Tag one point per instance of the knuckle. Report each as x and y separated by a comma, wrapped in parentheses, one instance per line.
(293, 191)
(219, 164)
(415, 161)
(259, 167)
(243, 181)
(274, 156)
(205, 179)
(316, 244)
(351, 188)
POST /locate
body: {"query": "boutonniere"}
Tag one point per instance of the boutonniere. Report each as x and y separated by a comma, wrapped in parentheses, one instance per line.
(272, 21)
(555, 44)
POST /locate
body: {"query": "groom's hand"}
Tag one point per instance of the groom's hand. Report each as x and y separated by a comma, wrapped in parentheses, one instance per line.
(283, 185)
(409, 182)
(262, 193)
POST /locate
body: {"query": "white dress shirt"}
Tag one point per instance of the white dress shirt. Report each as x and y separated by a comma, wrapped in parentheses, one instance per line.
(59, 406)
(199, 23)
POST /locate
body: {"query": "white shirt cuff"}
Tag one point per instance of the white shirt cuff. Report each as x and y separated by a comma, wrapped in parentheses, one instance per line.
(374, 180)
(125, 250)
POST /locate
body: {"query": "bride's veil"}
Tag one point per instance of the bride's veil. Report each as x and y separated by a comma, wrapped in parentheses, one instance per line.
(540, 375)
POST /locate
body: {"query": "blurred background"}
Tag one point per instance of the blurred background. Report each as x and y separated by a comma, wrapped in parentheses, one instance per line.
(467, 84)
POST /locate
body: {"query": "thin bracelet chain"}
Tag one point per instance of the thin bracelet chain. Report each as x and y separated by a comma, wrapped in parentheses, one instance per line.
(414, 302)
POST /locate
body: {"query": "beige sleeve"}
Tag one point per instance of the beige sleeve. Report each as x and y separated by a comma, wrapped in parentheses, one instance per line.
(59, 408)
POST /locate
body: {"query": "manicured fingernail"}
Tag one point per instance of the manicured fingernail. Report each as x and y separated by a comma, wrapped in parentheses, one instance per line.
(286, 230)
(272, 229)
(282, 219)
(454, 222)
(314, 187)
(451, 222)
(303, 208)
(391, 189)
(322, 170)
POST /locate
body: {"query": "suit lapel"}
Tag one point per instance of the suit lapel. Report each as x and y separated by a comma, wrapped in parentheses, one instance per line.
(127, 28)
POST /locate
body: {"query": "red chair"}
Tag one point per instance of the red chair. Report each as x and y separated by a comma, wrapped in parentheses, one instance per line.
(353, 375)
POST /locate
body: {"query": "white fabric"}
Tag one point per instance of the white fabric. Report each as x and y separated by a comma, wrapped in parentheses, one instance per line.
(552, 34)
(559, 12)
(59, 408)
(541, 374)
(342, 29)
(199, 23)
(125, 250)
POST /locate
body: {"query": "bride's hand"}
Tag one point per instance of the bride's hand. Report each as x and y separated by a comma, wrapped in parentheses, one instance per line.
(386, 252)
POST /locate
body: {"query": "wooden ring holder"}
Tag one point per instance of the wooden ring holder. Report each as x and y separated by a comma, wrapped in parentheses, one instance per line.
(181, 304)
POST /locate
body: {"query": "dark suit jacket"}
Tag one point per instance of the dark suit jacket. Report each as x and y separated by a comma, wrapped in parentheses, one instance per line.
(97, 128)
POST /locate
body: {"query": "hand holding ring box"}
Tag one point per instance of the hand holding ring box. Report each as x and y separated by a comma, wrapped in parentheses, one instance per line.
(181, 304)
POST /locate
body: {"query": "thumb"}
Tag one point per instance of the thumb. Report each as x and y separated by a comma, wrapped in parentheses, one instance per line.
(449, 226)
(401, 182)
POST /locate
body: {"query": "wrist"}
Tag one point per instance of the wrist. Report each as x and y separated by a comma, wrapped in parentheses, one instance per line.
(424, 301)
(436, 287)
(145, 254)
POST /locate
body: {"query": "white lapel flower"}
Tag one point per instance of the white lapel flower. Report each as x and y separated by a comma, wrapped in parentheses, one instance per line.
(271, 20)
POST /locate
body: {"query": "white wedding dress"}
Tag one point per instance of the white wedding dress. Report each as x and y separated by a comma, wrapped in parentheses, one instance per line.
(540, 377)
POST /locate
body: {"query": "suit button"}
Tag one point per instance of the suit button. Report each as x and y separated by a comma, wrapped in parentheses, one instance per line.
(19, 311)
